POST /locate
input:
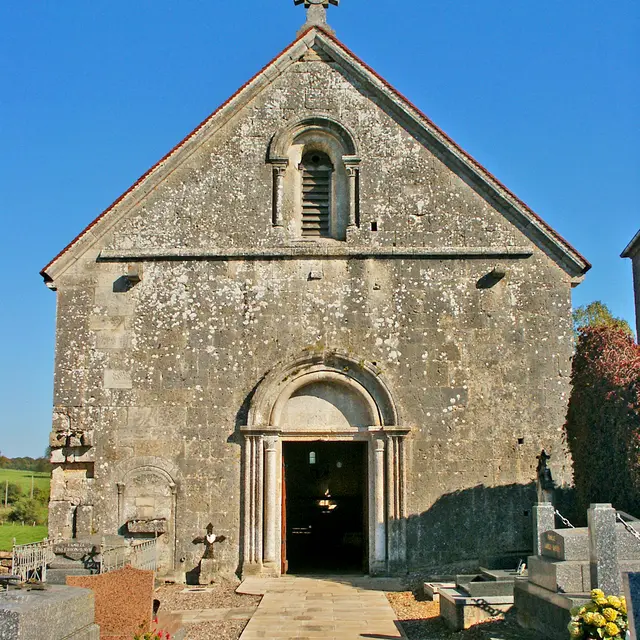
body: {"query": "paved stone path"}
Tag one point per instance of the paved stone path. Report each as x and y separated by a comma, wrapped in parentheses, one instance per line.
(328, 608)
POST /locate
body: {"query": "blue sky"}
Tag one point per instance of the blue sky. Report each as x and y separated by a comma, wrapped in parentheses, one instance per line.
(545, 95)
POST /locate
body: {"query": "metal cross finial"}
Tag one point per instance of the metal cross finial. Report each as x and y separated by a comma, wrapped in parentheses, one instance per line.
(316, 13)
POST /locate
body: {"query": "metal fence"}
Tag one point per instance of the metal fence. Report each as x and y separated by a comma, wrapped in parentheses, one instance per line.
(140, 555)
(29, 561)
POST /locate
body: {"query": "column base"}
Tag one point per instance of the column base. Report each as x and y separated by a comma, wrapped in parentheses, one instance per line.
(251, 569)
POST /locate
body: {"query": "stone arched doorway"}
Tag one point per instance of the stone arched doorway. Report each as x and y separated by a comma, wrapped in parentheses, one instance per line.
(325, 397)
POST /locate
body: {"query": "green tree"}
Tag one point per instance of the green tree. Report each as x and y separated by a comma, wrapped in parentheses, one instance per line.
(28, 511)
(597, 314)
(13, 493)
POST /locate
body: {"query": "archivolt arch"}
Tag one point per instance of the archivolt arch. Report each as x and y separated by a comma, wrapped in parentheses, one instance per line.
(284, 138)
(331, 366)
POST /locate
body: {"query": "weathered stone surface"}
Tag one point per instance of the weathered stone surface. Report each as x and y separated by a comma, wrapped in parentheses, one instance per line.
(167, 370)
(57, 613)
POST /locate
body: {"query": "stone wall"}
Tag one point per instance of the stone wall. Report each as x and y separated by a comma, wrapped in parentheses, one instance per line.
(158, 374)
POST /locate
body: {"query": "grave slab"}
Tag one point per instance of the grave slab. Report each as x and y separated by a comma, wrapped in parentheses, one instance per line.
(632, 593)
(57, 613)
(459, 611)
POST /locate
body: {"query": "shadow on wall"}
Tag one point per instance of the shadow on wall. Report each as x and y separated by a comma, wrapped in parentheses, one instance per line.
(479, 525)
(490, 526)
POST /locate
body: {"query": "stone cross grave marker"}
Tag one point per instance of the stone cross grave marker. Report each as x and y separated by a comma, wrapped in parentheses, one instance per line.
(208, 565)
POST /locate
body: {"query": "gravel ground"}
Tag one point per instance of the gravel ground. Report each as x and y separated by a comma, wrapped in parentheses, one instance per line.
(221, 595)
(421, 621)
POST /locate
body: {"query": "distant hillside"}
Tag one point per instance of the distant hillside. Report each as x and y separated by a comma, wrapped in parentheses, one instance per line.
(39, 465)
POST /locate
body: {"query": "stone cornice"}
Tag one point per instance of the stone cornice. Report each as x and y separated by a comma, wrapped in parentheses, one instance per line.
(319, 250)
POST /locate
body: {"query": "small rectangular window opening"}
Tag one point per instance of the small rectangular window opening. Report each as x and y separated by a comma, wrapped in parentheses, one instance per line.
(374, 226)
(312, 457)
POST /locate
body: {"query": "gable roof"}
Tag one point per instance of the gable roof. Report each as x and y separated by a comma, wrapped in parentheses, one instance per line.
(408, 114)
(633, 247)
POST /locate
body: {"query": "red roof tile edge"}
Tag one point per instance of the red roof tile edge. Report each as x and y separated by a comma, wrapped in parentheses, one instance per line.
(421, 114)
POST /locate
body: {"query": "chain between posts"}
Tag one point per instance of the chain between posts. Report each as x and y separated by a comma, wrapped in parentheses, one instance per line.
(565, 522)
(628, 527)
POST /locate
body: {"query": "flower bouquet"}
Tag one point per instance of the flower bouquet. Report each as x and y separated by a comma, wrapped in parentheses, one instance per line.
(146, 633)
(605, 617)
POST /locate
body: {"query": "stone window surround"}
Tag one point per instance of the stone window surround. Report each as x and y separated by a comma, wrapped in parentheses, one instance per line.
(313, 129)
(262, 462)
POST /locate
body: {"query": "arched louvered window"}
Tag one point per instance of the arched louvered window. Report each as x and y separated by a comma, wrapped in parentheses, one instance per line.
(316, 170)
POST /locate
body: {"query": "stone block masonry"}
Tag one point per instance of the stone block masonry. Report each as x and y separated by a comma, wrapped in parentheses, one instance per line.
(201, 327)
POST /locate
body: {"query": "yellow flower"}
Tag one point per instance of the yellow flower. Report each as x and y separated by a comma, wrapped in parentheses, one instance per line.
(596, 593)
(577, 611)
(575, 630)
(599, 620)
(623, 605)
(611, 629)
(601, 602)
(610, 614)
(614, 601)
(588, 617)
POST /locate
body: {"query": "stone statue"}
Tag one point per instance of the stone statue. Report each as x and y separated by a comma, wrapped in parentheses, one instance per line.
(209, 540)
(544, 484)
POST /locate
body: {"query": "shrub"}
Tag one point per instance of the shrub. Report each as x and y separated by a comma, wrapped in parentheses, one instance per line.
(603, 419)
(41, 495)
(28, 511)
(13, 493)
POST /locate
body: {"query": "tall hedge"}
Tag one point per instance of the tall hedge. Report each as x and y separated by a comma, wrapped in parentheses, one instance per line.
(603, 420)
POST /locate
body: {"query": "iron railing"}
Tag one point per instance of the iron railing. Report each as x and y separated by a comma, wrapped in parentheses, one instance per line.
(29, 561)
(140, 555)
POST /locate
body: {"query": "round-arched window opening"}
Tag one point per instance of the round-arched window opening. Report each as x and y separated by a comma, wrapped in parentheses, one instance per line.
(316, 169)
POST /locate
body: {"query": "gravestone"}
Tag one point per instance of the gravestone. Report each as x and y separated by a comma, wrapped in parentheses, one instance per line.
(632, 593)
(123, 600)
(603, 549)
(57, 613)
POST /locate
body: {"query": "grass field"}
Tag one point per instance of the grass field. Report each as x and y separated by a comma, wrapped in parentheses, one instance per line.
(23, 535)
(11, 530)
(23, 479)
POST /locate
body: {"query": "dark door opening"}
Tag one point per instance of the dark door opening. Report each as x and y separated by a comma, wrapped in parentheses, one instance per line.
(325, 507)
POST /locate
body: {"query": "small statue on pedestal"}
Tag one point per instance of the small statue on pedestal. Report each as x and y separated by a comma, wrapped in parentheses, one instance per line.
(209, 567)
(544, 484)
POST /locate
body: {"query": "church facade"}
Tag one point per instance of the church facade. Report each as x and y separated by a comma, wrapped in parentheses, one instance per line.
(318, 324)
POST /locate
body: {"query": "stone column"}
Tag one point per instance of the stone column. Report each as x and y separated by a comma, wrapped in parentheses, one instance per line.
(396, 511)
(379, 559)
(603, 549)
(352, 174)
(121, 487)
(270, 499)
(253, 504)
(544, 519)
(279, 170)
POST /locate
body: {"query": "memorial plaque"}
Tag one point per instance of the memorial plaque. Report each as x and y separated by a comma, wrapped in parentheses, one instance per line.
(73, 549)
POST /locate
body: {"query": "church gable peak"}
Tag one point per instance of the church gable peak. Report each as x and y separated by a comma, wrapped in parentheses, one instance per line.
(317, 44)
